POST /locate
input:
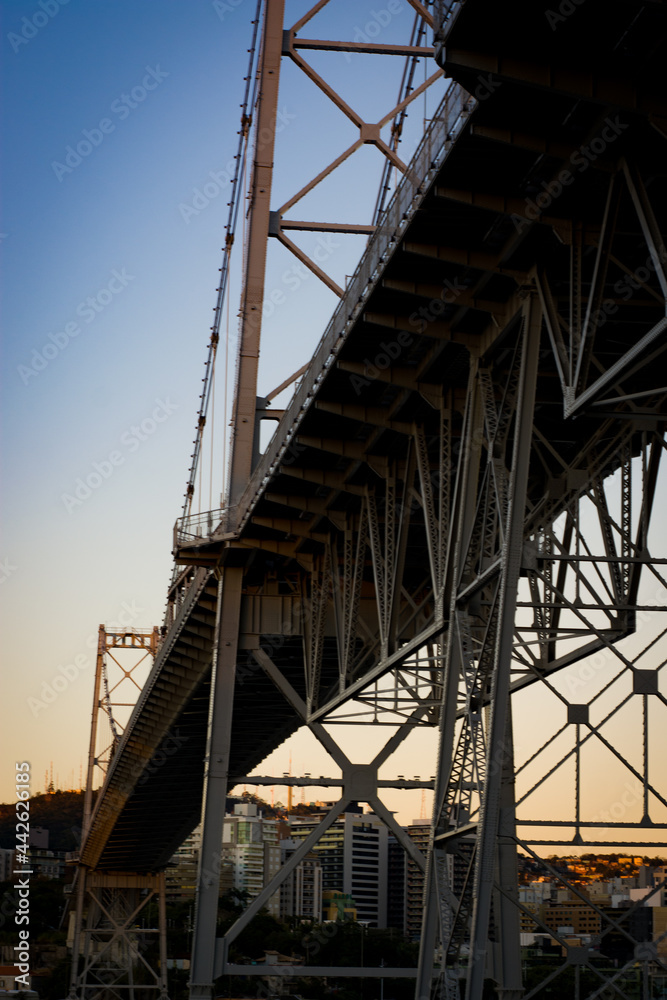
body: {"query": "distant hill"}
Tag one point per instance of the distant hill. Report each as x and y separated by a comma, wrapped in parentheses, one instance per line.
(61, 813)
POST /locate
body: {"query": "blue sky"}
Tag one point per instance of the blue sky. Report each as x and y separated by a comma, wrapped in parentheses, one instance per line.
(117, 117)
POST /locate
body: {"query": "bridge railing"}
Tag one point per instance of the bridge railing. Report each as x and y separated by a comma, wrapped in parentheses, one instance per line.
(444, 12)
(436, 141)
(199, 527)
(189, 533)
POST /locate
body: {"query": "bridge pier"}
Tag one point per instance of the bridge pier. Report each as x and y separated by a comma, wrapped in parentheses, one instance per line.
(110, 951)
(496, 847)
(489, 763)
(216, 777)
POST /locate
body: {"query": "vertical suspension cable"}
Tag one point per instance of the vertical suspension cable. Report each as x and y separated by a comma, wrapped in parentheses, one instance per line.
(223, 489)
(417, 37)
(199, 490)
(251, 83)
(246, 199)
(210, 477)
(425, 96)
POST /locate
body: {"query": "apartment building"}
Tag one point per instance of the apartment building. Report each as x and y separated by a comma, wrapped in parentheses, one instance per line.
(353, 855)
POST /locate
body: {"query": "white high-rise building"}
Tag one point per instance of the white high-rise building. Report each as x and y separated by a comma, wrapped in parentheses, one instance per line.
(251, 848)
(301, 892)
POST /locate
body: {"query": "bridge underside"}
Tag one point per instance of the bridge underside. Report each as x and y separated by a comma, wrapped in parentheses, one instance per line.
(166, 745)
(496, 365)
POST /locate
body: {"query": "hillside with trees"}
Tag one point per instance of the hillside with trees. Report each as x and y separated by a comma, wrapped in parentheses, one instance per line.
(61, 813)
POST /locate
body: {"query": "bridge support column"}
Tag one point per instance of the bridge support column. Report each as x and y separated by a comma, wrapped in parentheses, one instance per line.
(475, 781)
(439, 912)
(215, 782)
(119, 958)
(499, 753)
(76, 938)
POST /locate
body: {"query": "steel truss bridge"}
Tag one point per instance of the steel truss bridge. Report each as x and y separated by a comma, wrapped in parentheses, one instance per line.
(455, 523)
